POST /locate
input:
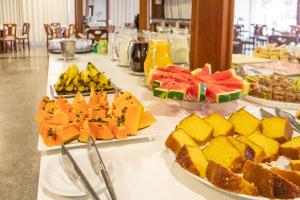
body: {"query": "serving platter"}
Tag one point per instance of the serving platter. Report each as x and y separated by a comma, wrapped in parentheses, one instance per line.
(55, 94)
(282, 162)
(272, 104)
(149, 132)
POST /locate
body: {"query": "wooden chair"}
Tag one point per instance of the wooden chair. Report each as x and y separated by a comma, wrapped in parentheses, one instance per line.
(10, 31)
(55, 30)
(261, 34)
(49, 33)
(72, 31)
(25, 35)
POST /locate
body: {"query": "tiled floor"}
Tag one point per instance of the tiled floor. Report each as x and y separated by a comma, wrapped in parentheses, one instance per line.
(23, 78)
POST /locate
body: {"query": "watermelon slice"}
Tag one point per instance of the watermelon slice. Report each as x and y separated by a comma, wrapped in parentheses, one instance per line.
(206, 70)
(224, 74)
(177, 69)
(221, 94)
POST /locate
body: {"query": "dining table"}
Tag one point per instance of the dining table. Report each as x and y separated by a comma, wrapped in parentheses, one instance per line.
(145, 169)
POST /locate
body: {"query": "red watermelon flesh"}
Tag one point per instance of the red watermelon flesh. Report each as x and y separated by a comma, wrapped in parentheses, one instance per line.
(177, 69)
(190, 90)
(223, 75)
(206, 70)
(158, 74)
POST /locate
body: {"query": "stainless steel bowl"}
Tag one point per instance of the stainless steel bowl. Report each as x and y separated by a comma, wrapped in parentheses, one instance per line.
(68, 48)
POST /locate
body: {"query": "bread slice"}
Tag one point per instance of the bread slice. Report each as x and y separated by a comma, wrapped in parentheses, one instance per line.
(221, 151)
(270, 146)
(277, 128)
(269, 183)
(291, 148)
(223, 178)
(244, 122)
(259, 153)
(295, 165)
(197, 128)
(221, 125)
(193, 160)
(177, 139)
(243, 148)
(291, 176)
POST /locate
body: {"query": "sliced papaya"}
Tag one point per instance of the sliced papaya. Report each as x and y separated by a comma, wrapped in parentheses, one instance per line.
(50, 134)
(101, 130)
(85, 132)
(119, 132)
(147, 120)
(125, 97)
(79, 104)
(68, 133)
(63, 104)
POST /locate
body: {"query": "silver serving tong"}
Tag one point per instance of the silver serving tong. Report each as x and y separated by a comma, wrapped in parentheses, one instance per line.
(75, 174)
(99, 167)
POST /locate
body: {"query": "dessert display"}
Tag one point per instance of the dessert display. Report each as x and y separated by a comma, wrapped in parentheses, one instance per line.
(61, 121)
(238, 155)
(275, 87)
(73, 81)
(175, 82)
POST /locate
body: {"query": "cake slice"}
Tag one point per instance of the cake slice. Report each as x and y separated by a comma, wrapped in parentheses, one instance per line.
(291, 176)
(270, 146)
(177, 139)
(277, 128)
(197, 128)
(221, 125)
(291, 148)
(222, 177)
(269, 183)
(192, 159)
(244, 122)
(243, 148)
(221, 151)
(259, 153)
(295, 165)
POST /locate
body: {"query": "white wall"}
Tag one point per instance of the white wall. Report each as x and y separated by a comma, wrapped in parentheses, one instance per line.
(100, 9)
(71, 11)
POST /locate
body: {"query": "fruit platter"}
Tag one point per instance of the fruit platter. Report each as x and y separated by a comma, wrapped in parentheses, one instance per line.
(72, 123)
(72, 81)
(244, 155)
(274, 91)
(199, 85)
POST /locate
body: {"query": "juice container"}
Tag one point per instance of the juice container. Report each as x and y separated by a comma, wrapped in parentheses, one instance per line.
(158, 54)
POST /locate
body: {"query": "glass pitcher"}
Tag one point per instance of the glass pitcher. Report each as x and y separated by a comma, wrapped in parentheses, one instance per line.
(180, 46)
(159, 53)
(125, 37)
(137, 52)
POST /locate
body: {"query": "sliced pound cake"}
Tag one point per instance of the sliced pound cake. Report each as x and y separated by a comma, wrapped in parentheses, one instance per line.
(244, 122)
(269, 183)
(270, 146)
(291, 148)
(295, 165)
(259, 153)
(221, 125)
(197, 128)
(222, 177)
(177, 139)
(244, 149)
(291, 176)
(277, 128)
(193, 160)
(221, 151)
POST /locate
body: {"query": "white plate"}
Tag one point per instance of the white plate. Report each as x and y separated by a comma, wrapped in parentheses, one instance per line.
(55, 180)
(120, 64)
(272, 104)
(149, 132)
(282, 162)
(136, 73)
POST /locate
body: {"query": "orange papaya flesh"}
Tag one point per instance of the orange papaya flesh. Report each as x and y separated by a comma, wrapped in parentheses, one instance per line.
(147, 120)
(85, 132)
(79, 104)
(119, 132)
(68, 133)
(50, 134)
(64, 105)
(100, 130)
(125, 97)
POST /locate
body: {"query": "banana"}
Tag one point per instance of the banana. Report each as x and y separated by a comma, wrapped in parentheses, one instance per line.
(69, 88)
(71, 72)
(63, 77)
(76, 80)
(100, 78)
(81, 88)
(92, 85)
(85, 76)
(92, 69)
(59, 85)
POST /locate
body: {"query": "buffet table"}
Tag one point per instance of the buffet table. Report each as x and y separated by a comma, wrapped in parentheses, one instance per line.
(145, 170)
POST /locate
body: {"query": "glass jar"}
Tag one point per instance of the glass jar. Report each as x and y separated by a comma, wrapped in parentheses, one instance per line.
(159, 53)
(125, 37)
(180, 46)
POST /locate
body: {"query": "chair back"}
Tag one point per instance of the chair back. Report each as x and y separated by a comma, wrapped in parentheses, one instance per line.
(260, 30)
(25, 29)
(55, 25)
(72, 30)
(47, 29)
(10, 30)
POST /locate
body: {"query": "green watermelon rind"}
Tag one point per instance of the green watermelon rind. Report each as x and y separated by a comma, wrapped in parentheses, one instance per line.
(201, 91)
(224, 97)
(176, 94)
(156, 84)
(160, 92)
